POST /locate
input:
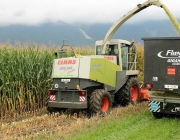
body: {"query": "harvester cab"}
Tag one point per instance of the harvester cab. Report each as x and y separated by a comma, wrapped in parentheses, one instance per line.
(120, 52)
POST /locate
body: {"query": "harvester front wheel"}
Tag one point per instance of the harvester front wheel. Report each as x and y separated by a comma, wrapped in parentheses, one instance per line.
(130, 93)
(134, 91)
(100, 102)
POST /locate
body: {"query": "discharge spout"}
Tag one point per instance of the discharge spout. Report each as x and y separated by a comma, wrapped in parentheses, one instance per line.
(123, 19)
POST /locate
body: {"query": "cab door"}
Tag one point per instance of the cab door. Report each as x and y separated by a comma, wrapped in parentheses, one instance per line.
(125, 49)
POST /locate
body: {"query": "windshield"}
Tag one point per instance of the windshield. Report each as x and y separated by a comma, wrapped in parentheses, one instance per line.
(112, 49)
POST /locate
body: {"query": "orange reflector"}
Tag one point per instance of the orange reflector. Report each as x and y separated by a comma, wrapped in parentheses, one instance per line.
(171, 70)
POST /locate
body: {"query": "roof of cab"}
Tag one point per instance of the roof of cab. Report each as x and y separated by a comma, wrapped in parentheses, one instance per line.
(99, 42)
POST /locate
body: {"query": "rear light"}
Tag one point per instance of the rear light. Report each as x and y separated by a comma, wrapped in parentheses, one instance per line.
(82, 93)
(51, 92)
(149, 85)
(150, 98)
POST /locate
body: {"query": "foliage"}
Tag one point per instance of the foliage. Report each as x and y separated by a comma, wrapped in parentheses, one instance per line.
(24, 78)
(140, 62)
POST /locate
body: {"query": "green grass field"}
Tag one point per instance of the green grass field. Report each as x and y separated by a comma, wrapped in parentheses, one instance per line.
(133, 126)
(137, 127)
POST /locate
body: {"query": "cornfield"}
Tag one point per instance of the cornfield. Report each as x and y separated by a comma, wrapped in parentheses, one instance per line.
(25, 76)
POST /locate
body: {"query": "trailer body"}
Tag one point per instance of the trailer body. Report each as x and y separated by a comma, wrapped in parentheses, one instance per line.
(162, 74)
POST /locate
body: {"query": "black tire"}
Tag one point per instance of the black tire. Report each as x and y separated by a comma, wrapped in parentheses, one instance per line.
(100, 102)
(130, 93)
(157, 115)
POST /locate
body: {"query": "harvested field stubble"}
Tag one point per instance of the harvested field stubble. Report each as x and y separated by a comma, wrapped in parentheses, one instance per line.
(62, 126)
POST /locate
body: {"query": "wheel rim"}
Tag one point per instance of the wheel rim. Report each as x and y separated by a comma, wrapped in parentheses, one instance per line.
(134, 93)
(105, 104)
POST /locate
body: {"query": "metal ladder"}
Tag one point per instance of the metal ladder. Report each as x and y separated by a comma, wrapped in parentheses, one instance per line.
(131, 65)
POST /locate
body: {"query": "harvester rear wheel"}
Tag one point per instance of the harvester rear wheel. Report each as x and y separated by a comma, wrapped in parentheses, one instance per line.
(130, 93)
(100, 102)
(157, 115)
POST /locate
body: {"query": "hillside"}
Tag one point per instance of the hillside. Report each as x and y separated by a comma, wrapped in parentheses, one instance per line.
(82, 35)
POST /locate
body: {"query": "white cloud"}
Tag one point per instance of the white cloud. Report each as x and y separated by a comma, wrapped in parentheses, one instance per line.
(36, 12)
(85, 34)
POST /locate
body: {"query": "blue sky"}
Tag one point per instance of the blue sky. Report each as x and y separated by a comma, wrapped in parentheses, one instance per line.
(37, 12)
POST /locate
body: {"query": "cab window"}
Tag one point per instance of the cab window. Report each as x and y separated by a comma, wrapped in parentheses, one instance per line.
(113, 49)
(98, 50)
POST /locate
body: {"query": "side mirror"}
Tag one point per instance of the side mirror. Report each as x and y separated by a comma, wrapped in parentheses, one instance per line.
(56, 54)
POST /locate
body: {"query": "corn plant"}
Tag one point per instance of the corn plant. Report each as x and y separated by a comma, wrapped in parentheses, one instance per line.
(25, 76)
(140, 62)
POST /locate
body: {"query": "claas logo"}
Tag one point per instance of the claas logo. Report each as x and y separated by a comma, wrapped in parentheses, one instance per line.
(109, 57)
(66, 62)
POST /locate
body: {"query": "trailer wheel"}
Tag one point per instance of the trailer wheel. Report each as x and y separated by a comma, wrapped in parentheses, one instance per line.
(157, 115)
(100, 102)
(130, 93)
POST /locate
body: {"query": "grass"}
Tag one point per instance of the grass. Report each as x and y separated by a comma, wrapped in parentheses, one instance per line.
(129, 123)
(134, 126)
(137, 127)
